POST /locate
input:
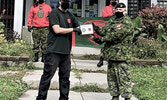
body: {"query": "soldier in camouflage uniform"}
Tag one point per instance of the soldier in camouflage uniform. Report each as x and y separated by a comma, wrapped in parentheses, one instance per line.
(117, 51)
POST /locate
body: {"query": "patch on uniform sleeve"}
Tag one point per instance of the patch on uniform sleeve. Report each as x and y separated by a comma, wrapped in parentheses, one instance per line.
(118, 26)
(69, 21)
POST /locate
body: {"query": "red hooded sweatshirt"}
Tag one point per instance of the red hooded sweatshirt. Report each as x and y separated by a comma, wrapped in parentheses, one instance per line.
(38, 16)
(108, 11)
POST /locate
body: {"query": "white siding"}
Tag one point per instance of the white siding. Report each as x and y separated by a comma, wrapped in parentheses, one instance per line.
(29, 4)
(153, 2)
(18, 16)
(101, 5)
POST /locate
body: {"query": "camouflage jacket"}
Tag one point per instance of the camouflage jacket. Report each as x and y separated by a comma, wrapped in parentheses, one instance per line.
(117, 38)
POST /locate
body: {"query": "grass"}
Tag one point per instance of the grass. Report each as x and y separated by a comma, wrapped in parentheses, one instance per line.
(11, 86)
(86, 57)
(89, 88)
(87, 71)
(150, 82)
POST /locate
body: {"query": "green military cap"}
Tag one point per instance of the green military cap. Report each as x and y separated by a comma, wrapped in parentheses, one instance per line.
(120, 5)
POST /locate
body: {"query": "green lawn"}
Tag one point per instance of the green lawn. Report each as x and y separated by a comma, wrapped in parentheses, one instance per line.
(150, 83)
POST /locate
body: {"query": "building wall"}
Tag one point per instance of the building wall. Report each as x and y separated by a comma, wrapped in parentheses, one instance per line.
(154, 2)
(29, 4)
(101, 6)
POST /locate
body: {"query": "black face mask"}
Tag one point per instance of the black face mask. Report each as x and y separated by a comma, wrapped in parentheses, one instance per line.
(119, 14)
(41, 1)
(65, 5)
(113, 3)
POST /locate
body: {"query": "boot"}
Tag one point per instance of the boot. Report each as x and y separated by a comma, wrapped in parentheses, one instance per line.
(43, 57)
(127, 98)
(115, 98)
(36, 57)
(100, 63)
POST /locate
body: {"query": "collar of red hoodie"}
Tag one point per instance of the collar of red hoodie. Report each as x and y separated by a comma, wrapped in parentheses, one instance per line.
(111, 6)
(41, 4)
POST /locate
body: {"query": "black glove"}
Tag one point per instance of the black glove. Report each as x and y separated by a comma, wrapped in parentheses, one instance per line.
(78, 30)
(29, 28)
(95, 27)
(97, 40)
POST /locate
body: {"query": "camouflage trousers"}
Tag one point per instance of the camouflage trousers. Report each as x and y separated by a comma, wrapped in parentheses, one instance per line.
(39, 38)
(118, 77)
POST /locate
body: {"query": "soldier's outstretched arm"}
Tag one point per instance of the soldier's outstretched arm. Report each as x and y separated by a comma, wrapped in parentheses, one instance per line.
(102, 31)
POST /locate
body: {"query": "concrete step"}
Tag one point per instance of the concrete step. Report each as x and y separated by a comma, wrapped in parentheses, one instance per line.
(81, 64)
(88, 65)
(54, 95)
(32, 78)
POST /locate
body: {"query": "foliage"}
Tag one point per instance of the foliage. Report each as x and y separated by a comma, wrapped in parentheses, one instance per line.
(89, 88)
(151, 18)
(149, 82)
(11, 86)
(87, 71)
(146, 48)
(16, 48)
(86, 57)
(1, 24)
(1, 27)
(10, 35)
(137, 34)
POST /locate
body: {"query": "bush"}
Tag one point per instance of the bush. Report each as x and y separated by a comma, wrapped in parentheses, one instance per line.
(151, 18)
(11, 86)
(149, 36)
(1, 24)
(16, 48)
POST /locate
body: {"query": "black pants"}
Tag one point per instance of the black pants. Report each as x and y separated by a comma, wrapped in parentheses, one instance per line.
(52, 61)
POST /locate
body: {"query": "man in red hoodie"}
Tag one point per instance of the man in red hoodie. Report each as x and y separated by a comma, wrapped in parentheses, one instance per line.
(39, 22)
(109, 11)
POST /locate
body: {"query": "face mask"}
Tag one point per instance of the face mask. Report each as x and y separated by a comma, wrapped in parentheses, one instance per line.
(65, 5)
(113, 3)
(41, 1)
(119, 14)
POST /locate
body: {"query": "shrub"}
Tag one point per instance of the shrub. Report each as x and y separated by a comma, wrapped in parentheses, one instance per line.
(151, 18)
(146, 48)
(1, 24)
(16, 48)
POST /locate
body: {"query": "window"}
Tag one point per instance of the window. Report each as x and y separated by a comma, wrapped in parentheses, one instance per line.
(162, 3)
(134, 6)
(91, 8)
(76, 7)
